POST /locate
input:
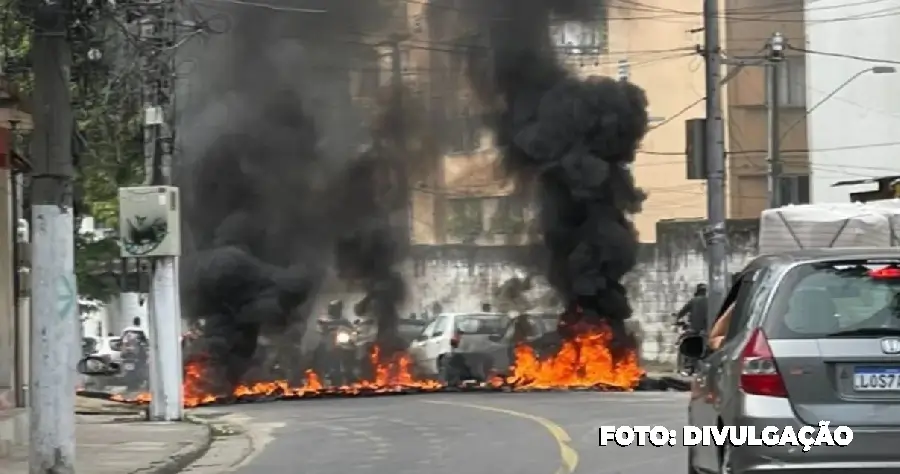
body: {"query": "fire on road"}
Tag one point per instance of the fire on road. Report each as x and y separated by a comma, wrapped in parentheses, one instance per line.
(584, 361)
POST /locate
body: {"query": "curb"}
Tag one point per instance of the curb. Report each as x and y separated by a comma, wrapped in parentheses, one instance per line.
(186, 456)
(109, 412)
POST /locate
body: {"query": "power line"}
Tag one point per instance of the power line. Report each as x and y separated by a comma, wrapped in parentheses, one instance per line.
(843, 55)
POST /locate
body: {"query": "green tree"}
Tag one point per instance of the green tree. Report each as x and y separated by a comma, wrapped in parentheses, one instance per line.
(106, 96)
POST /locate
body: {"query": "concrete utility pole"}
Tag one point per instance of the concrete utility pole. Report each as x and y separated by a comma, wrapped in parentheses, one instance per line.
(166, 369)
(54, 323)
(775, 58)
(715, 234)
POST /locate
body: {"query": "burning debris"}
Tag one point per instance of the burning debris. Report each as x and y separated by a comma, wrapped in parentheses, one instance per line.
(582, 363)
(277, 193)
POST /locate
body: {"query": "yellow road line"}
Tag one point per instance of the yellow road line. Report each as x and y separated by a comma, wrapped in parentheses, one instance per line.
(567, 453)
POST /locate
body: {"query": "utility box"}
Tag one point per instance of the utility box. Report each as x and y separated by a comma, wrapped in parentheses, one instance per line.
(150, 221)
(695, 148)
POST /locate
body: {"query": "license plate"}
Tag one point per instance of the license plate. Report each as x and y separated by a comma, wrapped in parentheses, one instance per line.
(129, 366)
(876, 379)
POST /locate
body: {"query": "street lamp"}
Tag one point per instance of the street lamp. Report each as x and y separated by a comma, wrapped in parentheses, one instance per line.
(873, 70)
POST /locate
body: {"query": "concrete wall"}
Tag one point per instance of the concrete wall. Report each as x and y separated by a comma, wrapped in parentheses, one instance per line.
(860, 119)
(461, 277)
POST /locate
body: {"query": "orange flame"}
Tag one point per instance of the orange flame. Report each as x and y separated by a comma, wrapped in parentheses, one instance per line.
(584, 361)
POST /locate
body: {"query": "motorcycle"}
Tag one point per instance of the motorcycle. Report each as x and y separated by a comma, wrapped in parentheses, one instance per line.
(134, 366)
(683, 365)
(338, 355)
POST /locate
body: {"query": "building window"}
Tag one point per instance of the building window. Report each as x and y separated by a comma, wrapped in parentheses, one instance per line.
(794, 189)
(509, 216)
(582, 37)
(465, 218)
(464, 134)
(792, 82)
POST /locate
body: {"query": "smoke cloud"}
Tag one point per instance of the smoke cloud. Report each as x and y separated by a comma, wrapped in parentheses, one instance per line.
(571, 139)
(269, 150)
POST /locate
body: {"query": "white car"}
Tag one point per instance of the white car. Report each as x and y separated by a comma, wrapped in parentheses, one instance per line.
(434, 343)
(110, 347)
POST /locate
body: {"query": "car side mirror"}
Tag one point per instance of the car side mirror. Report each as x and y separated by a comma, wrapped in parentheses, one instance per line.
(693, 346)
(495, 338)
(92, 365)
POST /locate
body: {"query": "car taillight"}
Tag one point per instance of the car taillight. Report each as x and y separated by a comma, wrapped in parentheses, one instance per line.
(759, 374)
(886, 273)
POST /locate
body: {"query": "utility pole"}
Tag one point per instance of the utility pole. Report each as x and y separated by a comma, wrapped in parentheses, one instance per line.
(54, 317)
(166, 369)
(775, 61)
(715, 233)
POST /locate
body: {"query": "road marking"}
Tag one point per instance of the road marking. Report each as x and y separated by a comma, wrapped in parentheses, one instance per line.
(567, 454)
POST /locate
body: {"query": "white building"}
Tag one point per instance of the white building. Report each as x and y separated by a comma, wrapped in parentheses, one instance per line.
(854, 133)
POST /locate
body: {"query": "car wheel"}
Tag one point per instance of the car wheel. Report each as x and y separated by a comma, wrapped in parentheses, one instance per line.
(725, 462)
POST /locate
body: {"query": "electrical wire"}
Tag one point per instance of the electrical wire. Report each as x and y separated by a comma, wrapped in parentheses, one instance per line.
(865, 59)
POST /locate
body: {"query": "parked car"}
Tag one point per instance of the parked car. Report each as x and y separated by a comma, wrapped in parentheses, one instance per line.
(109, 347)
(436, 342)
(89, 345)
(814, 335)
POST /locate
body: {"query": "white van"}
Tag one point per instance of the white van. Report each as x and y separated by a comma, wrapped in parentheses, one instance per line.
(428, 349)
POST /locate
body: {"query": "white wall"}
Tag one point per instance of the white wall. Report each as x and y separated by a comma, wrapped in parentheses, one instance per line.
(867, 110)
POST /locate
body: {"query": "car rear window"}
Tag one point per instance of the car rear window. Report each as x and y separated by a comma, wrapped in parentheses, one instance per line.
(821, 299)
(484, 324)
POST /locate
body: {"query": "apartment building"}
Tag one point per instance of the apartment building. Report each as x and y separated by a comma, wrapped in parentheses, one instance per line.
(459, 193)
(748, 25)
(652, 43)
(853, 127)
(465, 198)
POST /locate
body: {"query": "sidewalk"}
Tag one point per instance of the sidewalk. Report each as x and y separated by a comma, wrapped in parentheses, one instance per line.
(122, 444)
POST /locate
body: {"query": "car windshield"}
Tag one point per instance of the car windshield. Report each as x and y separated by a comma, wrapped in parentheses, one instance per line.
(830, 299)
(484, 324)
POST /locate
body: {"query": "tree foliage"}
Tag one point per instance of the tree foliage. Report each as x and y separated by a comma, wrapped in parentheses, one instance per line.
(107, 144)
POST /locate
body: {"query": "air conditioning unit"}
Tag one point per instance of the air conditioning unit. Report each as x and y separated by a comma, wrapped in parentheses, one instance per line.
(150, 221)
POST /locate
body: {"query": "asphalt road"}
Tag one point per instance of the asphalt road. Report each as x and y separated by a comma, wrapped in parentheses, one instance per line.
(521, 433)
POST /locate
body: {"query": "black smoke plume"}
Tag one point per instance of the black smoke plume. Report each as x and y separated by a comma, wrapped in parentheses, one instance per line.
(269, 141)
(574, 140)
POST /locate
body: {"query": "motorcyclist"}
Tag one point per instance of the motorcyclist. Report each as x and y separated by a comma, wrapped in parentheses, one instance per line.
(333, 319)
(695, 310)
(135, 347)
(329, 325)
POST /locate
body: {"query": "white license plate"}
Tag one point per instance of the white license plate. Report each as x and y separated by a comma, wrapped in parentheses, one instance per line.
(129, 366)
(876, 379)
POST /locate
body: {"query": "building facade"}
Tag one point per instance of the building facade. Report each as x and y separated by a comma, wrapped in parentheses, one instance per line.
(852, 131)
(748, 26)
(14, 328)
(464, 198)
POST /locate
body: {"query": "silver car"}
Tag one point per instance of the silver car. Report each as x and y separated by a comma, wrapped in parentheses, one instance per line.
(815, 336)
